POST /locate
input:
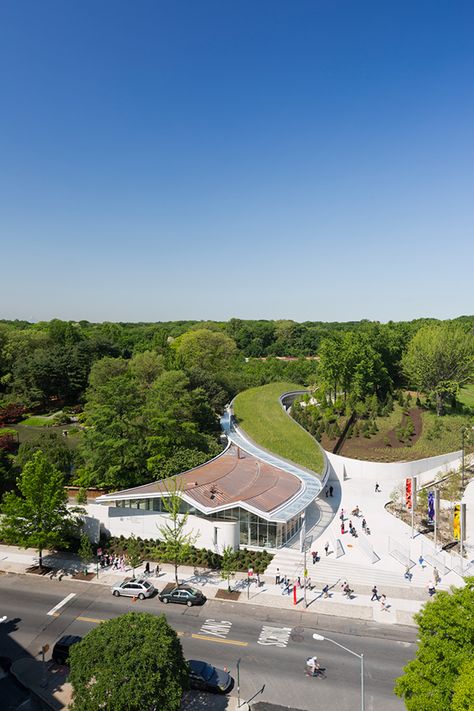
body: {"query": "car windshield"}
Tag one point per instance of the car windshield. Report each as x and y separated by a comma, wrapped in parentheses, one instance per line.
(207, 671)
(147, 585)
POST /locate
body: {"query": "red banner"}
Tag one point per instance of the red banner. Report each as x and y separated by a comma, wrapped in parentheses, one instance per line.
(408, 499)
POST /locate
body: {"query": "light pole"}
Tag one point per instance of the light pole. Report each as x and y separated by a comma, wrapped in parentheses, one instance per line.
(320, 638)
(303, 536)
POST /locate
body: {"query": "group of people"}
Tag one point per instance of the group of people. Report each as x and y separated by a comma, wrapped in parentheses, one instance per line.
(107, 560)
(351, 528)
(379, 598)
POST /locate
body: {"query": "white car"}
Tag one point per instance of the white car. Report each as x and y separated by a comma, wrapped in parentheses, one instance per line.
(134, 588)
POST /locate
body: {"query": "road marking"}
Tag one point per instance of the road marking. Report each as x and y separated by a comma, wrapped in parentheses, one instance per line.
(54, 610)
(221, 641)
(274, 636)
(216, 628)
(90, 619)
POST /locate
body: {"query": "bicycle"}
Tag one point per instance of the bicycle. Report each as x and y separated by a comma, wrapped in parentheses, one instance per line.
(318, 672)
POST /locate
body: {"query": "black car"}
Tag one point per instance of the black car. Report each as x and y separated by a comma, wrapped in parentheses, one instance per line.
(61, 649)
(183, 595)
(208, 678)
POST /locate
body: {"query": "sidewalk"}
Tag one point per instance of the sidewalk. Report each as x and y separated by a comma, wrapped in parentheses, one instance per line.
(399, 609)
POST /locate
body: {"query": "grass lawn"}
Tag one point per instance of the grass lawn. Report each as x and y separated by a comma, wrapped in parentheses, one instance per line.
(439, 435)
(39, 420)
(466, 396)
(260, 415)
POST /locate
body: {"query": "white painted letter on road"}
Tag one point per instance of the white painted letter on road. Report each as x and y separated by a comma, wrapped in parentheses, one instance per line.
(274, 636)
(217, 628)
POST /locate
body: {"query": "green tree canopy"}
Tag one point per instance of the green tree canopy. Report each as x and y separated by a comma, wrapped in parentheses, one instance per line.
(446, 645)
(129, 663)
(39, 517)
(211, 349)
(53, 447)
(440, 360)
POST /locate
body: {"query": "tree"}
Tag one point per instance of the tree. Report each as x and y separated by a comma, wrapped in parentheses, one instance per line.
(176, 540)
(211, 350)
(446, 644)
(228, 564)
(463, 697)
(440, 360)
(85, 552)
(133, 662)
(134, 552)
(53, 447)
(39, 517)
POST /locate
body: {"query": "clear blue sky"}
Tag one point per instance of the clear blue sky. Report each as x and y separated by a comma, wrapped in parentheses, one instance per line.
(258, 159)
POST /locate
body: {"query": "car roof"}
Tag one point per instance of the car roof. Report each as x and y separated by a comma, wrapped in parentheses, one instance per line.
(197, 665)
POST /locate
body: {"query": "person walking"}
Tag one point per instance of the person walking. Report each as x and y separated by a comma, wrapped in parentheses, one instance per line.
(407, 575)
(436, 575)
(157, 570)
(341, 515)
(431, 588)
(375, 594)
(383, 603)
(343, 530)
(277, 577)
(364, 524)
(147, 568)
(326, 548)
(315, 556)
(331, 490)
(326, 492)
(421, 561)
(377, 487)
(326, 590)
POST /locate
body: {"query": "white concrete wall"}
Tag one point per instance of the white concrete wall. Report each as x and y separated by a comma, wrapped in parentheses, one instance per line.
(468, 499)
(425, 469)
(145, 524)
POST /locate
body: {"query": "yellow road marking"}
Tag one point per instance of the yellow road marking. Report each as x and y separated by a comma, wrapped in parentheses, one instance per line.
(235, 642)
(90, 619)
(221, 641)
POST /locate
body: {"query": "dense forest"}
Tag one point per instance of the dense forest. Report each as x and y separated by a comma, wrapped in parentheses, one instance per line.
(144, 398)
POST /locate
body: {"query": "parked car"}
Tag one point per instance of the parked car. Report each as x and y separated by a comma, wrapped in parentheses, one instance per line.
(208, 678)
(61, 649)
(182, 594)
(134, 588)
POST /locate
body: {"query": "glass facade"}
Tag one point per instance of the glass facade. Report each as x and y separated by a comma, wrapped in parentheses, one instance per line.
(254, 531)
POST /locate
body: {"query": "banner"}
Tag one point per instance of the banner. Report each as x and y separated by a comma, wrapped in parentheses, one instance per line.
(431, 506)
(457, 522)
(408, 499)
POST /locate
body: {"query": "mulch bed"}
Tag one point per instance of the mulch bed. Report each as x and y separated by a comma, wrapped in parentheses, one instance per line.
(84, 576)
(39, 571)
(226, 595)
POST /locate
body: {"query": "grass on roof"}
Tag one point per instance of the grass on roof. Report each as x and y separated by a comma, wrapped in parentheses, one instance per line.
(260, 415)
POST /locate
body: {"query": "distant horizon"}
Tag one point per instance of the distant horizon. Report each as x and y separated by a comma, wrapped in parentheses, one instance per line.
(240, 318)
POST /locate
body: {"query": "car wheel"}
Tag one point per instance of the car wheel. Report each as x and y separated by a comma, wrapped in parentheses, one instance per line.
(165, 600)
(189, 603)
(141, 596)
(116, 593)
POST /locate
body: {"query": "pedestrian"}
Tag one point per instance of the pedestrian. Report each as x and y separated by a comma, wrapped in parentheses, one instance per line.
(341, 515)
(431, 588)
(350, 526)
(383, 603)
(331, 490)
(436, 575)
(258, 580)
(147, 568)
(277, 577)
(308, 583)
(347, 591)
(157, 570)
(375, 594)
(407, 575)
(377, 487)
(364, 524)
(326, 547)
(421, 561)
(343, 530)
(326, 590)
(298, 582)
(326, 491)
(315, 556)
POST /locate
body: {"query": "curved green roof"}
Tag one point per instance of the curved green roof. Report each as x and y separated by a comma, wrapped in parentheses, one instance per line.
(259, 413)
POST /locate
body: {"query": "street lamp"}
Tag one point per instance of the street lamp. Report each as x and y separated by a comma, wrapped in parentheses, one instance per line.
(320, 638)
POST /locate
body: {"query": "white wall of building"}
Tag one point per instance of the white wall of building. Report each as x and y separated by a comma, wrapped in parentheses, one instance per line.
(468, 499)
(425, 469)
(213, 535)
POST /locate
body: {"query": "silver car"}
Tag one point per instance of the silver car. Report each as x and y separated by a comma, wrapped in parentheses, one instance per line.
(134, 588)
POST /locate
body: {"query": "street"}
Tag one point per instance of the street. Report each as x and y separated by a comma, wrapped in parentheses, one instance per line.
(272, 644)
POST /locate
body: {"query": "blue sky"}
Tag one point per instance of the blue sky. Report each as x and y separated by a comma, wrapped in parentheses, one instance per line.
(270, 159)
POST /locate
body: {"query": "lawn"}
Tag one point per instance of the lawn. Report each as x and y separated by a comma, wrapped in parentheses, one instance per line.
(260, 415)
(466, 396)
(439, 435)
(40, 420)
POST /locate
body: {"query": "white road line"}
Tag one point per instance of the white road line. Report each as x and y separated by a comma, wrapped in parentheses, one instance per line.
(60, 604)
(274, 636)
(218, 628)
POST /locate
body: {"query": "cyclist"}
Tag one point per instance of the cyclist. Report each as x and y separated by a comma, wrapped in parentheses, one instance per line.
(312, 665)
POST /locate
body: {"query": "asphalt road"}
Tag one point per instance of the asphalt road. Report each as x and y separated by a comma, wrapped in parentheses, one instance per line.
(272, 645)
